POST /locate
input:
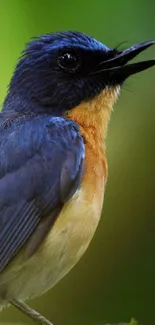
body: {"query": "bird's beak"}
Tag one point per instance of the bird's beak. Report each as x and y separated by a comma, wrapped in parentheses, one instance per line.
(118, 68)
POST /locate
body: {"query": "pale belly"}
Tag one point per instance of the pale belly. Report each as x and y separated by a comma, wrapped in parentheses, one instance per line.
(65, 244)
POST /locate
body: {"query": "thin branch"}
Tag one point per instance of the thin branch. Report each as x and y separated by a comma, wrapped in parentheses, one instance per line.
(31, 313)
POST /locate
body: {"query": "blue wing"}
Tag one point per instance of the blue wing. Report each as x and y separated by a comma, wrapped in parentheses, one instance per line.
(41, 165)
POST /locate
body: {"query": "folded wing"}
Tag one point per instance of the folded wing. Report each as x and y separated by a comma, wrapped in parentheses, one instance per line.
(41, 166)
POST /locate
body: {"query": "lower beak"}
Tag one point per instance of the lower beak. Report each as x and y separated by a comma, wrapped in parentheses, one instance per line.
(118, 68)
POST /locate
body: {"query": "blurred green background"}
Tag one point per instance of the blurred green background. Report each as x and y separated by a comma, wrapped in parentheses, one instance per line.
(115, 280)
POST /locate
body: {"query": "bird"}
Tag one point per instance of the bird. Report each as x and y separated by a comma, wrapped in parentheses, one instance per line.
(53, 165)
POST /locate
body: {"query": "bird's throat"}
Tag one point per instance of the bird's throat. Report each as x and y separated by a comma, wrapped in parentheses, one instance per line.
(93, 117)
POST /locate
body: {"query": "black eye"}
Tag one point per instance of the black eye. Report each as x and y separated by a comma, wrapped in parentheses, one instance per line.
(69, 61)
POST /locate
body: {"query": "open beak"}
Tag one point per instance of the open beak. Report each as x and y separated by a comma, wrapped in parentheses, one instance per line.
(117, 66)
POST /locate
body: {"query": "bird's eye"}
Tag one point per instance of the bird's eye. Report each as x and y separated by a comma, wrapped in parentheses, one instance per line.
(69, 61)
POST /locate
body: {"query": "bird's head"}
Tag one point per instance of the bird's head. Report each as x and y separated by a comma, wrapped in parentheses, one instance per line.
(58, 71)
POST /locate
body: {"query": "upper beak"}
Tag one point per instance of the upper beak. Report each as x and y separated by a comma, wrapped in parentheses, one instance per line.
(117, 67)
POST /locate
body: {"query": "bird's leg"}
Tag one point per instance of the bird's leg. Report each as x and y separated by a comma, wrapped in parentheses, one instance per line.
(31, 313)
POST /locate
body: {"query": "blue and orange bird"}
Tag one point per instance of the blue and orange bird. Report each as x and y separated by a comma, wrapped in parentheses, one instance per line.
(53, 166)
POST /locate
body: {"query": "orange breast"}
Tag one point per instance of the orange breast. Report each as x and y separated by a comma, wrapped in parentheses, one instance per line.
(95, 172)
(93, 118)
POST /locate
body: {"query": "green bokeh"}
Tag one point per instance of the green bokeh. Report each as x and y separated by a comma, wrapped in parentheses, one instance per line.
(115, 280)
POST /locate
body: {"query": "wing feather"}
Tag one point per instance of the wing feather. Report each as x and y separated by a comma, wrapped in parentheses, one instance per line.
(41, 166)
